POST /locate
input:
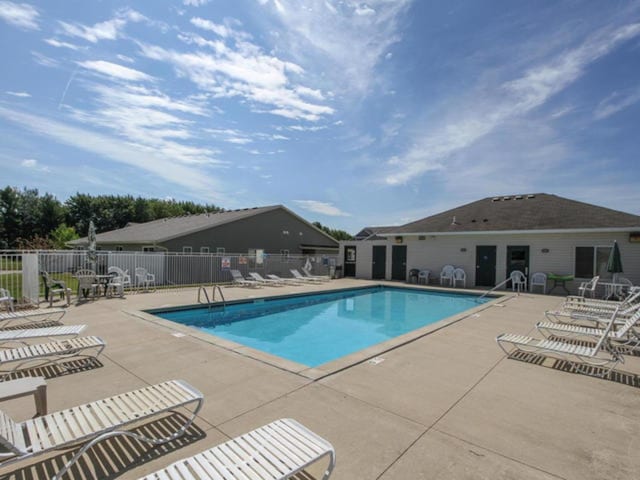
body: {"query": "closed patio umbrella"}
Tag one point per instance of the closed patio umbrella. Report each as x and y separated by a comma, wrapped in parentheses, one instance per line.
(91, 252)
(614, 265)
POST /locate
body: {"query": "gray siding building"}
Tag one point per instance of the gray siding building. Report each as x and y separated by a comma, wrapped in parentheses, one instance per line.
(272, 229)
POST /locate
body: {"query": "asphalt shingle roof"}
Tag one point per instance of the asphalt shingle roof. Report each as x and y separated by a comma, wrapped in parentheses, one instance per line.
(540, 211)
(167, 228)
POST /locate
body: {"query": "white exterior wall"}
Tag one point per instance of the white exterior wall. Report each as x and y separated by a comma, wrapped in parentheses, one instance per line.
(436, 251)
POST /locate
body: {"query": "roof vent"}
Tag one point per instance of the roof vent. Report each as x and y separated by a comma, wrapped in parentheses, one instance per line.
(519, 197)
(473, 221)
(485, 219)
(531, 196)
(506, 198)
(495, 199)
(453, 222)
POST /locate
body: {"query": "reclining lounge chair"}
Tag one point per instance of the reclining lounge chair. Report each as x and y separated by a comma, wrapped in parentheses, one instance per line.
(28, 317)
(51, 353)
(580, 356)
(276, 451)
(238, 279)
(93, 422)
(20, 335)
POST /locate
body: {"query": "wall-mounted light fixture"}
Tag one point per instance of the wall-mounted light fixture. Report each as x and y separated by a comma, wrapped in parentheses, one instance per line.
(463, 249)
(545, 250)
(285, 232)
(399, 239)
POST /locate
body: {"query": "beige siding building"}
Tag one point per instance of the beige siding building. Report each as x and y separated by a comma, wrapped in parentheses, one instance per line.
(494, 236)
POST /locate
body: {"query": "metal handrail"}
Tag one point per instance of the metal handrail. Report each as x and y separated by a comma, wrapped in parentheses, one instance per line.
(206, 295)
(489, 291)
(213, 290)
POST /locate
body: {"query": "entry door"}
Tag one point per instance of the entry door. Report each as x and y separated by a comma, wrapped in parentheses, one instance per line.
(378, 264)
(485, 265)
(518, 259)
(399, 262)
(349, 261)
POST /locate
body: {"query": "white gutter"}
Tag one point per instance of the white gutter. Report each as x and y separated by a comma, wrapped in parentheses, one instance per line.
(515, 232)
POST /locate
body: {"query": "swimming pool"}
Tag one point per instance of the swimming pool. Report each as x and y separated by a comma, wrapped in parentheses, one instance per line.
(314, 329)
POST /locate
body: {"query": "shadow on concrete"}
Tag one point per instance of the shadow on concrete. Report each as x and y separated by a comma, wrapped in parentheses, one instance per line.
(58, 370)
(114, 456)
(618, 376)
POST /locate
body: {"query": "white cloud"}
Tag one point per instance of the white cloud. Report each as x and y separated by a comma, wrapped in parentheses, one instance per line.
(115, 70)
(124, 58)
(346, 39)
(107, 30)
(58, 44)
(241, 69)
(21, 15)
(322, 208)
(156, 161)
(18, 94)
(616, 102)
(195, 3)
(471, 120)
(33, 164)
(216, 28)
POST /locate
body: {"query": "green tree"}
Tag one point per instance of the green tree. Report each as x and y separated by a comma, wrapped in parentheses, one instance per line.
(10, 221)
(336, 234)
(61, 235)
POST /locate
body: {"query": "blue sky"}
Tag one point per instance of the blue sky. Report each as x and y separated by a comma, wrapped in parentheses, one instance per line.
(349, 113)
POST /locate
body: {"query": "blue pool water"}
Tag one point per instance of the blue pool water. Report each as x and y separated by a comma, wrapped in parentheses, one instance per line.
(317, 328)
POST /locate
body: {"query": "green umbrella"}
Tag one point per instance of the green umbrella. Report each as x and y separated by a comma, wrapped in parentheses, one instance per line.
(614, 265)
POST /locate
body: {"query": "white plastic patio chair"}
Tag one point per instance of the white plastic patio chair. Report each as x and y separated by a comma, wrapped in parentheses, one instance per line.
(93, 422)
(459, 275)
(6, 300)
(88, 285)
(144, 279)
(51, 353)
(277, 451)
(124, 276)
(518, 281)
(589, 287)
(446, 275)
(538, 279)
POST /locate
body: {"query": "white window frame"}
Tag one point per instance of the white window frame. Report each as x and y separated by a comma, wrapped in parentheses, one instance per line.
(119, 248)
(284, 254)
(594, 266)
(148, 248)
(187, 249)
(204, 249)
(220, 251)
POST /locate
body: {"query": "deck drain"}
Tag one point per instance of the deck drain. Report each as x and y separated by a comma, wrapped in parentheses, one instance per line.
(178, 334)
(375, 360)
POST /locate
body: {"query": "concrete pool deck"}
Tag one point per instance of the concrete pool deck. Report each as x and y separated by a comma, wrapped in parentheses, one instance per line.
(448, 405)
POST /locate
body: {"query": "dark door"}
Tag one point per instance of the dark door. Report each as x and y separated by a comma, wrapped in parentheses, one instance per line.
(378, 264)
(399, 262)
(349, 261)
(485, 265)
(517, 259)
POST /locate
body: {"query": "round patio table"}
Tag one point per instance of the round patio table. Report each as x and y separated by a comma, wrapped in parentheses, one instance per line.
(559, 281)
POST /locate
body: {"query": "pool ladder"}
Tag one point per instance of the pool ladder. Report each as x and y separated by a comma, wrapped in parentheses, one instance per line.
(211, 301)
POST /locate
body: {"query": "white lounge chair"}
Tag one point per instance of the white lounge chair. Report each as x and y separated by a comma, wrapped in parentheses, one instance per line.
(624, 334)
(446, 275)
(459, 276)
(298, 276)
(578, 308)
(51, 353)
(287, 281)
(538, 279)
(21, 335)
(518, 281)
(601, 355)
(30, 317)
(265, 281)
(93, 422)
(589, 287)
(307, 274)
(238, 279)
(6, 300)
(277, 451)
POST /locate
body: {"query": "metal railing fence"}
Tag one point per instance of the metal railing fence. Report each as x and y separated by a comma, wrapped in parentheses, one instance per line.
(20, 271)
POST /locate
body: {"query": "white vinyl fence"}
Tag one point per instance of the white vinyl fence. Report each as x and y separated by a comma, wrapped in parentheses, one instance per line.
(21, 271)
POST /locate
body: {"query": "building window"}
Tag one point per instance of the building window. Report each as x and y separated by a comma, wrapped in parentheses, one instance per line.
(220, 250)
(119, 248)
(284, 255)
(150, 248)
(204, 249)
(187, 250)
(591, 261)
